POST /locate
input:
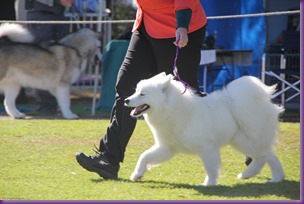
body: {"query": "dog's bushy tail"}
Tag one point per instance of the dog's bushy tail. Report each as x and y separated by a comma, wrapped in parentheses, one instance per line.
(16, 33)
(256, 114)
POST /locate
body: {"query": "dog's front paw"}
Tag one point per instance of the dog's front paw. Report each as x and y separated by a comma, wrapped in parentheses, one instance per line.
(71, 116)
(135, 176)
(242, 176)
(19, 116)
(209, 181)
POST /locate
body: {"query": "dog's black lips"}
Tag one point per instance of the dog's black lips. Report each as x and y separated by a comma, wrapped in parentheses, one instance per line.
(137, 111)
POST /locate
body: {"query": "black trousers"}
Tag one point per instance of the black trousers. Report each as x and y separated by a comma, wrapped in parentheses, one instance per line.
(146, 56)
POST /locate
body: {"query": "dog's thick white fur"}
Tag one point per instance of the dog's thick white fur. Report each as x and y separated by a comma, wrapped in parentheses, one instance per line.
(52, 67)
(241, 115)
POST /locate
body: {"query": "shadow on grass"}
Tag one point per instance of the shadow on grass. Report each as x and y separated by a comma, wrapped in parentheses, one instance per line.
(288, 188)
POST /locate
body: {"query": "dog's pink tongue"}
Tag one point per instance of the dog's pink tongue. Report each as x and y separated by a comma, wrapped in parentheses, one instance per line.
(134, 112)
(139, 110)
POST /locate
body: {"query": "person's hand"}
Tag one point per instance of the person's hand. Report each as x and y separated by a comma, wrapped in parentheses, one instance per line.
(181, 37)
(67, 3)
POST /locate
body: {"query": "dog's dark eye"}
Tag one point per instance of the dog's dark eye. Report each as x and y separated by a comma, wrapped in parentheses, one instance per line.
(142, 94)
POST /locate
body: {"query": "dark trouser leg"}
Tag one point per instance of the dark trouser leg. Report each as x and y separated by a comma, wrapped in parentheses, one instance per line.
(22, 98)
(45, 102)
(137, 65)
(119, 132)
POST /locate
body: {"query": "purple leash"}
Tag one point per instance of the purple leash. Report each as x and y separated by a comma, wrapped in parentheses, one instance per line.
(175, 72)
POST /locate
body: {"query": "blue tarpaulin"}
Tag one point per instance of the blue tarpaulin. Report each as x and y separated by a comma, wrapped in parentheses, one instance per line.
(237, 34)
(111, 60)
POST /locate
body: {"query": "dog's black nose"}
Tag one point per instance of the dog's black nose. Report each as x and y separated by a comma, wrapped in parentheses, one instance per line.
(127, 101)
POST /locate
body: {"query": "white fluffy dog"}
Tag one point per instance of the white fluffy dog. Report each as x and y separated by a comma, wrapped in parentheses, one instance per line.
(241, 115)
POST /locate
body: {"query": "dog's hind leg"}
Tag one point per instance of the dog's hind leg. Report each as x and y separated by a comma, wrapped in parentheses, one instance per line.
(149, 159)
(62, 94)
(276, 168)
(11, 92)
(212, 162)
(254, 167)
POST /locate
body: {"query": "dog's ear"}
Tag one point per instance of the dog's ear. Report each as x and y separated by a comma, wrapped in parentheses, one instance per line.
(166, 81)
(163, 74)
(160, 75)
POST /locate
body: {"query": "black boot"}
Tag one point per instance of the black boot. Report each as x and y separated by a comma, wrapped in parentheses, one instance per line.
(98, 164)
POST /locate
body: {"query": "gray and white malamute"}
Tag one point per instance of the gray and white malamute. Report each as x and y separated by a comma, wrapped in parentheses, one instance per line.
(53, 67)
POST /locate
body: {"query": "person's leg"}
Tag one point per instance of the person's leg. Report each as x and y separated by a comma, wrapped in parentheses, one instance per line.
(22, 97)
(45, 103)
(137, 65)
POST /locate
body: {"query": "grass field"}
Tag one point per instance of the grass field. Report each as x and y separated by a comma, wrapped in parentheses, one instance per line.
(38, 163)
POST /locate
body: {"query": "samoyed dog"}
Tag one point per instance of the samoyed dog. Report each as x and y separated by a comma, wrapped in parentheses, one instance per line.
(241, 115)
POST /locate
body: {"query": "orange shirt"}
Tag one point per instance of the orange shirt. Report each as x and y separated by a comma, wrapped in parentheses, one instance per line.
(159, 16)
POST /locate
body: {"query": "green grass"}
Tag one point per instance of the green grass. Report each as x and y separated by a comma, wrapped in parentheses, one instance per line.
(38, 163)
